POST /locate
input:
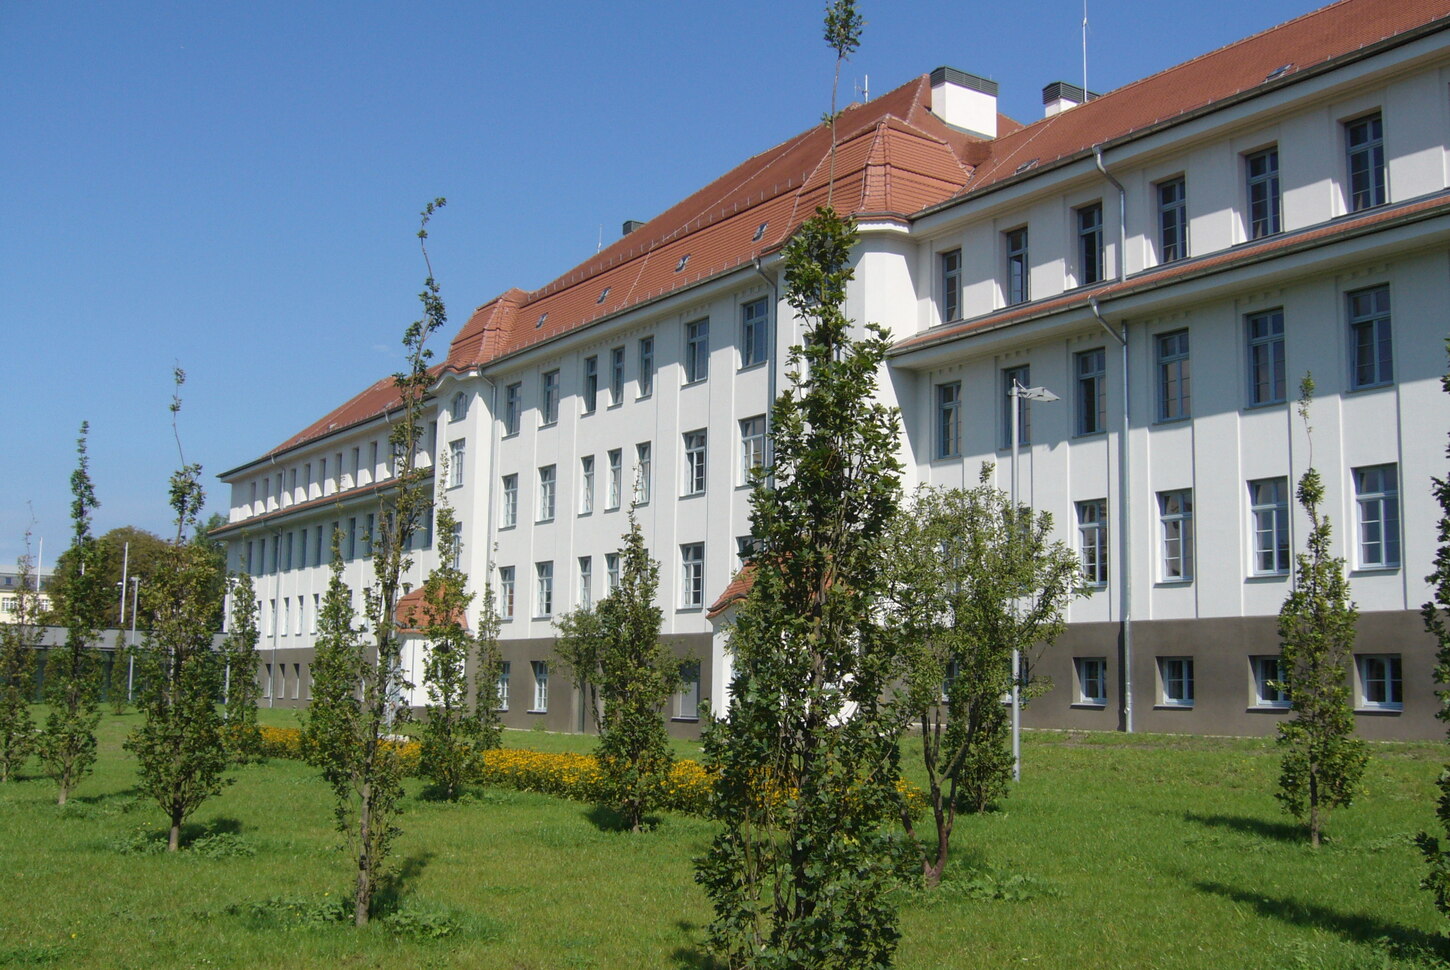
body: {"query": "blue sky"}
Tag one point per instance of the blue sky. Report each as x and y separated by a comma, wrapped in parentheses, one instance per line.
(234, 187)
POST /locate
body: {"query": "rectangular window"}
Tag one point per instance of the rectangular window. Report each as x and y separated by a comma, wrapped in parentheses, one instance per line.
(1092, 535)
(1091, 371)
(1364, 144)
(1019, 289)
(1090, 244)
(512, 408)
(692, 575)
(316, 609)
(510, 516)
(1172, 220)
(1381, 684)
(1369, 332)
(1261, 171)
(951, 285)
(1266, 357)
(547, 481)
(642, 473)
(287, 551)
(317, 547)
(697, 351)
(1269, 508)
(754, 329)
(616, 376)
(1173, 374)
(694, 462)
(646, 366)
(549, 399)
(687, 699)
(1377, 493)
(590, 389)
(506, 592)
(1092, 680)
(1016, 377)
(455, 463)
(1269, 682)
(616, 478)
(752, 447)
(286, 614)
(301, 615)
(503, 686)
(745, 549)
(949, 419)
(1176, 673)
(544, 589)
(586, 485)
(457, 562)
(586, 581)
(611, 572)
(1175, 520)
(541, 686)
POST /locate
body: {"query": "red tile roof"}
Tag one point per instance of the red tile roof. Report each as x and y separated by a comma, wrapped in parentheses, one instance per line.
(412, 613)
(738, 589)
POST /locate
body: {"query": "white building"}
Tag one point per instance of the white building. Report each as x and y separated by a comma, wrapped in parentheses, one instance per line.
(1199, 239)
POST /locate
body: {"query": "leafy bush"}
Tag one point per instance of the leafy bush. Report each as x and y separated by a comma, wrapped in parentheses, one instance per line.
(423, 925)
(222, 845)
(296, 912)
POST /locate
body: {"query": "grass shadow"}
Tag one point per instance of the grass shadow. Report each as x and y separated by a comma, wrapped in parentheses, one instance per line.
(1401, 942)
(1249, 825)
(192, 831)
(388, 897)
(693, 957)
(606, 819)
(105, 797)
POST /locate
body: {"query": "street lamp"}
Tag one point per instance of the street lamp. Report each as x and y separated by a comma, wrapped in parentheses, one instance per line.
(1016, 394)
(131, 653)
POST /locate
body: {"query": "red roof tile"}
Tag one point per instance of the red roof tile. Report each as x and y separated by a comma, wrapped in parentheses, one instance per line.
(738, 589)
(412, 613)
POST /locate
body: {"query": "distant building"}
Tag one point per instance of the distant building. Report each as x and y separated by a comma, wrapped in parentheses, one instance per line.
(1181, 249)
(9, 591)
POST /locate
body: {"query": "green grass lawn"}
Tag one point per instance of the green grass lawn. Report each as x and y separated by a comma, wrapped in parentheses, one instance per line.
(1143, 851)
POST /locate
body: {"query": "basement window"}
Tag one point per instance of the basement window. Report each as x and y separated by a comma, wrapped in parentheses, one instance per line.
(681, 264)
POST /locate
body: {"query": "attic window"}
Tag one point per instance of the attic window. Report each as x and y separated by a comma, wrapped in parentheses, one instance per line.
(1025, 166)
(603, 295)
(542, 317)
(759, 232)
(681, 264)
(1280, 71)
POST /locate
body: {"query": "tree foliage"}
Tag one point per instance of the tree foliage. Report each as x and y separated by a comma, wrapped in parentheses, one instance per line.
(970, 579)
(20, 636)
(803, 868)
(241, 690)
(179, 747)
(1436, 614)
(358, 684)
(616, 647)
(67, 745)
(1322, 763)
(146, 550)
(459, 728)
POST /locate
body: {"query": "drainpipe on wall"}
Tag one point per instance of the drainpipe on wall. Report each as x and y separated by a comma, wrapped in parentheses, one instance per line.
(1125, 548)
(1125, 545)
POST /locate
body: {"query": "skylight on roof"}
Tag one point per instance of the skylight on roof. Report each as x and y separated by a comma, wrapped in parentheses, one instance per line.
(1279, 71)
(1025, 166)
(681, 264)
(603, 296)
(542, 317)
(759, 232)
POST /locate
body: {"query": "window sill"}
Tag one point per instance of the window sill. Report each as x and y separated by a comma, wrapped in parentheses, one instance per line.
(1087, 705)
(585, 515)
(1096, 587)
(547, 521)
(691, 494)
(693, 609)
(1260, 578)
(645, 396)
(756, 365)
(1100, 433)
(507, 435)
(1375, 570)
(1267, 709)
(548, 424)
(1376, 386)
(616, 405)
(585, 414)
(532, 711)
(955, 457)
(1172, 583)
(1170, 706)
(1384, 710)
(1182, 419)
(685, 720)
(1264, 405)
(508, 528)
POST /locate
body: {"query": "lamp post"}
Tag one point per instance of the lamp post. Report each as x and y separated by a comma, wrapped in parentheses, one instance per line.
(131, 652)
(1016, 395)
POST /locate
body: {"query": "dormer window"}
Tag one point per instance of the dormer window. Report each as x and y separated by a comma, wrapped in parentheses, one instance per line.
(759, 232)
(604, 295)
(681, 264)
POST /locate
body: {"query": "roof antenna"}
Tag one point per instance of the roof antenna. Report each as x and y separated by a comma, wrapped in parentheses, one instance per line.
(864, 89)
(600, 245)
(1084, 50)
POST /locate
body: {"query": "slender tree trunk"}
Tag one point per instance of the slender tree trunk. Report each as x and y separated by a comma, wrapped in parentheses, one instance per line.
(363, 899)
(64, 790)
(173, 842)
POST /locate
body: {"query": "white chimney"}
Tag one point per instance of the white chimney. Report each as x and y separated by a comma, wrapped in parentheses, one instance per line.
(965, 101)
(1058, 96)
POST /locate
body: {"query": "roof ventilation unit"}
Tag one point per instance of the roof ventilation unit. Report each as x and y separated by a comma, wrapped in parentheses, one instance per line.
(1058, 96)
(965, 101)
(630, 225)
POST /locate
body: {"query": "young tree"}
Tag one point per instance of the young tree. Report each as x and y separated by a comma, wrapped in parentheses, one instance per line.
(179, 747)
(1322, 763)
(241, 690)
(1437, 622)
(20, 637)
(806, 759)
(457, 732)
(67, 745)
(357, 688)
(970, 579)
(617, 646)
